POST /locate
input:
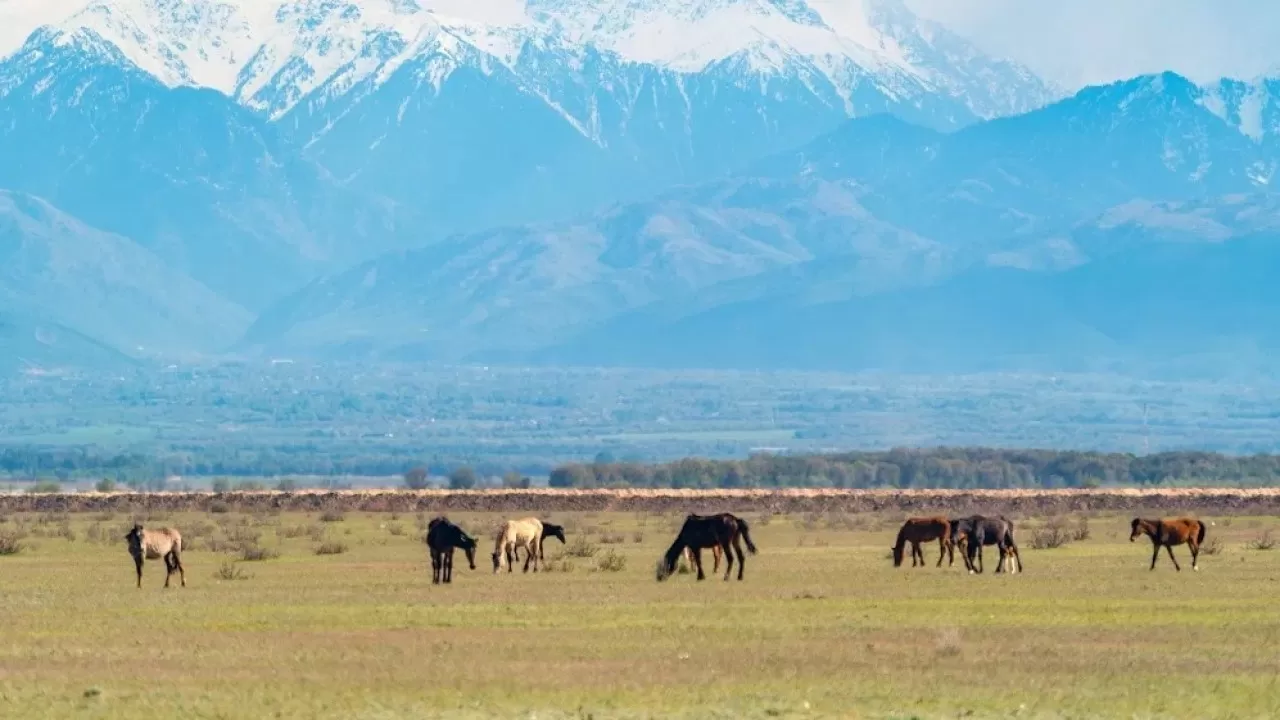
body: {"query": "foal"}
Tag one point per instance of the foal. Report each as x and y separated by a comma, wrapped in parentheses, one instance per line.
(442, 537)
(1168, 532)
(704, 531)
(154, 544)
(920, 530)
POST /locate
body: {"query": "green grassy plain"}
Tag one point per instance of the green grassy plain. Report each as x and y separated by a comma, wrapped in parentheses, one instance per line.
(823, 626)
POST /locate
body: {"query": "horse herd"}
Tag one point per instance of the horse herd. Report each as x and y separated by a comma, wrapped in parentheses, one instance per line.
(723, 534)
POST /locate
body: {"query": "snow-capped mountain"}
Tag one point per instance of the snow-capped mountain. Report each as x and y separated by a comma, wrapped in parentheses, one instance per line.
(273, 53)
(488, 112)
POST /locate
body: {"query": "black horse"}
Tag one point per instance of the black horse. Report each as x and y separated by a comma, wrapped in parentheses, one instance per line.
(704, 531)
(548, 530)
(977, 531)
(442, 537)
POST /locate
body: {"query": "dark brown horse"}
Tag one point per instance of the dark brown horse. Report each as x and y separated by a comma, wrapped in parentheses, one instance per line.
(921, 530)
(977, 531)
(442, 537)
(1168, 532)
(548, 530)
(704, 531)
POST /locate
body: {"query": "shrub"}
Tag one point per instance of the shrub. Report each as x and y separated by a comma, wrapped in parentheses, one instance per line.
(395, 529)
(287, 485)
(45, 487)
(1053, 535)
(611, 561)
(331, 516)
(105, 485)
(1213, 547)
(1264, 541)
(612, 539)
(331, 547)
(1082, 532)
(254, 553)
(221, 485)
(231, 571)
(11, 543)
(463, 478)
(581, 548)
(218, 507)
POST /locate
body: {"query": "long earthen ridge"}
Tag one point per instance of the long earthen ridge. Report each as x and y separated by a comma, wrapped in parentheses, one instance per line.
(1033, 503)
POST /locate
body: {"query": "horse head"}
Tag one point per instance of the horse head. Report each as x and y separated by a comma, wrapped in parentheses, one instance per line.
(664, 569)
(134, 537)
(468, 545)
(497, 561)
(897, 555)
(1135, 529)
(555, 531)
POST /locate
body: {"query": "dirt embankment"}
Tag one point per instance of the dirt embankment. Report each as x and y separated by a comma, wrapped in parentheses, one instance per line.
(1033, 503)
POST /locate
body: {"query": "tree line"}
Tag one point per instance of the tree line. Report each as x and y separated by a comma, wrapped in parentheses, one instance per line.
(957, 468)
(947, 468)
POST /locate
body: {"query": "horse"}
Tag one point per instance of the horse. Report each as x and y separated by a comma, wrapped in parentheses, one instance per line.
(514, 534)
(919, 530)
(442, 537)
(704, 531)
(153, 544)
(548, 530)
(978, 531)
(1169, 532)
(715, 552)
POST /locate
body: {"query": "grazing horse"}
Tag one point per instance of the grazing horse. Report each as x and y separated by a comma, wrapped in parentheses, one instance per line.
(704, 531)
(1168, 532)
(715, 553)
(920, 530)
(442, 537)
(514, 534)
(548, 530)
(154, 544)
(978, 531)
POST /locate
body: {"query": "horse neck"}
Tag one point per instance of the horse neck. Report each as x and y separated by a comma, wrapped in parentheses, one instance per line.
(673, 553)
(902, 540)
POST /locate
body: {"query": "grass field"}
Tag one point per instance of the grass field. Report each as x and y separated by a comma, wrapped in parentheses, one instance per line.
(823, 625)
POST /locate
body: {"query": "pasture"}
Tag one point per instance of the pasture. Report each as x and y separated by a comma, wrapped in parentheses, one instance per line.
(314, 614)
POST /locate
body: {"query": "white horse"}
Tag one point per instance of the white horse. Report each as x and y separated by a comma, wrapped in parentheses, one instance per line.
(514, 534)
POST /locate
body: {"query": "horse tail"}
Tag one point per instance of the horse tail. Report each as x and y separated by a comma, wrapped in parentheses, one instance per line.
(746, 536)
(500, 543)
(1200, 533)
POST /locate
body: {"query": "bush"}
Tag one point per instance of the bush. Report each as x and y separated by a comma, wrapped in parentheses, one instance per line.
(231, 571)
(581, 548)
(221, 485)
(331, 547)
(105, 485)
(331, 516)
(1053, 535)
(45, 487)
(395, 529)
(1213, 547)
(1264, 541)
(217, 507)
(611, 562)
(287, 485)
(11, 543)
(255, 553)
(1082, 531)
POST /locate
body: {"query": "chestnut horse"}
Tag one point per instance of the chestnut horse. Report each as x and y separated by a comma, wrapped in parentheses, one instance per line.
(715, 553)
(919, 530)
(704, 531)
(1168, 532)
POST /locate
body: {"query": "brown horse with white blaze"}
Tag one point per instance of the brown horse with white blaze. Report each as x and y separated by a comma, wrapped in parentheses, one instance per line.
(921, 530)
(155, 544)
(1167, 532)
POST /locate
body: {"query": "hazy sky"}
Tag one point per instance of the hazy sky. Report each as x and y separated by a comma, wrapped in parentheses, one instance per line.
(1079, 42)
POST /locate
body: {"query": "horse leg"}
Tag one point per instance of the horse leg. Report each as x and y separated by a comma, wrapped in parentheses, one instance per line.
(715, 558)
(942, 551)
(137, 562)
(448, 565)
(168, 567)
(435, 567)
(527, 558)
(510, 551)
(177, 565)
(697, 560)
(1155, 553)
(1195, 554)
(981, 565)
(728, 559)
(1174, 559)
(742, 559)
